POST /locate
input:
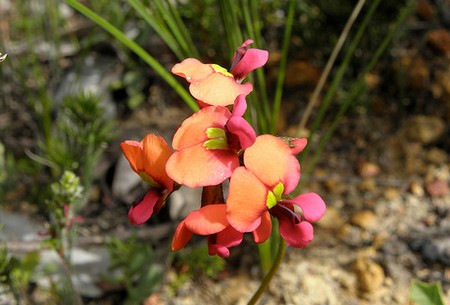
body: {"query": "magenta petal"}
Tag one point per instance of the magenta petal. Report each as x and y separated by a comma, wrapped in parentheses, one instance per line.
(313, 207)
(141, 212)
(222, 241)
(299, 144)
(297, 235)
(240, 105)
(252, 59)
(243, 130)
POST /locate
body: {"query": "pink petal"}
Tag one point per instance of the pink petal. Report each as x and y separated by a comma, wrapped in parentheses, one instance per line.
(296, 235)
(222, 241)
(240, 105)
(207, 220)
(181, 237)
(312, 205)
(252, 59)
(219, 89)
(299, 144)
(192, 70)
(271, 160)
(262, 233)
(193, 130)
(196, 166)
(243, 130)
(246, 200)
(143, 210)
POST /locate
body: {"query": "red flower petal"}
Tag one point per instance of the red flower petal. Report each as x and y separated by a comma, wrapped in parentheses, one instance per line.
(299, 144)
(251, 60)
(219, 89)
(296, 235)
(262, 233)
(193, 130)
(271, 160)
(243, 130)
(313, 207)
(240, 105)
(221, 242)
(155, 153)
(192, 70)
(181, 237)
(246, 200)
(142, 211)
(196, 166)
(207, 220)
(131, 151)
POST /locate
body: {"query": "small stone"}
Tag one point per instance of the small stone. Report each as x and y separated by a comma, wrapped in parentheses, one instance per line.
(332, 220)
(370, 275)
(365, 219)
(368, 169)
(368, 185)
(416, 189)
(424, 129)
(425, 10)
(437, 156)
(391, 194)
(437, 188)
(439, 40)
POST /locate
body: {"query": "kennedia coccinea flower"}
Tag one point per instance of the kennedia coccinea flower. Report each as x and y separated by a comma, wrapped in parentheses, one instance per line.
(260, 187)
(207, 145)
(148, 159)
(212, 84)
(211, 221)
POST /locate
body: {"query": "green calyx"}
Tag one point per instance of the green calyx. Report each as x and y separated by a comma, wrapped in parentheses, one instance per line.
(217, 138)
(275, 195)
(222, 70)
(148, 179)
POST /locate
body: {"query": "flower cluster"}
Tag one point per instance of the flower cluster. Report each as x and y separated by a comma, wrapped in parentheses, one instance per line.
(215, 145)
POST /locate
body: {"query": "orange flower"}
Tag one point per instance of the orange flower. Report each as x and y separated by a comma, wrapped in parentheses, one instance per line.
(207, 145)
(271, 172)
(148, 159)
(212, 84)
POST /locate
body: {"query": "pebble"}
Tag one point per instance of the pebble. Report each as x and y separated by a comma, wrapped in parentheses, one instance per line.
(437, 188)
(370, 275)
(439, 40)
(424, 129)
(332, 220)
(365, 219)
(368, 169)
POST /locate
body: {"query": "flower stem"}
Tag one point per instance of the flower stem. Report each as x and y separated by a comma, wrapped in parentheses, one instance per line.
(266, 281)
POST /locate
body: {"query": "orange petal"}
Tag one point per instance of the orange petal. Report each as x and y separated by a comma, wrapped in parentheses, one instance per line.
(210, 219)
(219, 89)
(272, 161)
(181, 237)
(155, 153)
(131, 151)
(196, 166)
(246, 200)
(192, 70)
(262, 233)
(193, 130)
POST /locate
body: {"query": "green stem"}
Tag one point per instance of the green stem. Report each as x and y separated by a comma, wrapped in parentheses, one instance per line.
(283, 61)
(138, 50)
(266, 281)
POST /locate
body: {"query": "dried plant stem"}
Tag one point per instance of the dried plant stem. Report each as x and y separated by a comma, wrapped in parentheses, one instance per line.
(330, 63)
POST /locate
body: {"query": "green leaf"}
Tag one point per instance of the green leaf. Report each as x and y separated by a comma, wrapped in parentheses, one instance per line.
(426, 294)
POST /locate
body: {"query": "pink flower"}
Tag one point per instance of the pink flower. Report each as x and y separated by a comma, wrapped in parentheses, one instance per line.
(208, 144)
(271, 172)
(148, 159)
(211, 221)
(213, 85)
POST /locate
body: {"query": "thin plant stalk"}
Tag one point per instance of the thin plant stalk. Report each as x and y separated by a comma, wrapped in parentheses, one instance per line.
(282, 70)
(330, 63)
(360, 84)
(138, 50)
(340, 74)
(269, 276)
